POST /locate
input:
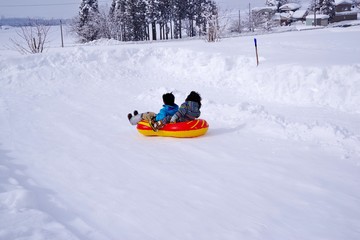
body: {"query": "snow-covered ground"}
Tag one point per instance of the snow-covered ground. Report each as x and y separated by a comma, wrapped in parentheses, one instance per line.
(281, 159)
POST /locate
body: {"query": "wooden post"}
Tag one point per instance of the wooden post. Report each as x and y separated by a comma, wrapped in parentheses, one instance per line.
(256, 51)
(62, 37)
(315, 13)
(239, 22)
(249, 18)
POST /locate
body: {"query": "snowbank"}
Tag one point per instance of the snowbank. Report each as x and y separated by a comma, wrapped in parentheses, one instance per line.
(280, 160)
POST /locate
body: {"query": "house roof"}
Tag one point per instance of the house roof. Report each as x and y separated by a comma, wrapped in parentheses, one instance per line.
(290, 7)
(281, 16)
(338, 2)
(299, 14)
(269, 8)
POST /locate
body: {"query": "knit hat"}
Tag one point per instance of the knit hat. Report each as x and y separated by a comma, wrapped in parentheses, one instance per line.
(194, 97)
(169, 99)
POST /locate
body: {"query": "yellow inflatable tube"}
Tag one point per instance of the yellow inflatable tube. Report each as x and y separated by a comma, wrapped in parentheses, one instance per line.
(190, 129)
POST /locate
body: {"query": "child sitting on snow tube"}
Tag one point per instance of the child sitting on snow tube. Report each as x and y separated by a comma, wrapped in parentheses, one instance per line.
(165, 114)
(188, 111)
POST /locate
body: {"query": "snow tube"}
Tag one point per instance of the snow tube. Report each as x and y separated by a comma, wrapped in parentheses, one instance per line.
(188, 129)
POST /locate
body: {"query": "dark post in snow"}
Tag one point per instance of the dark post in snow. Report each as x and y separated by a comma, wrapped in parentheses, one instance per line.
(239, 22)
(256, 51)
(250, 18)
(315, 13)
(62, 37)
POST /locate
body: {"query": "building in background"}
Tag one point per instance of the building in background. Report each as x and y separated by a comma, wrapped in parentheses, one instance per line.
(345, 10)
(321, 20)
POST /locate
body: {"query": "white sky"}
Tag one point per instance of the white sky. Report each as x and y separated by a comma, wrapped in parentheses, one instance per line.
(69, 8)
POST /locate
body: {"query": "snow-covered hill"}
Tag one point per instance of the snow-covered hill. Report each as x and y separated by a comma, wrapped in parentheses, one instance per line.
(281, 159)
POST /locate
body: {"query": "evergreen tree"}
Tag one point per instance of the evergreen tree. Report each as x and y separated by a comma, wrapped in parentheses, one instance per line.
(200, 20)
(165, 17)
(87, 7)
(328, 7)
(116, 18)
(104, 25)
(323, 7)
(87, 24)
(137, 20)
(152, 15)
(190, 16)
(129, 20)
(180, 7)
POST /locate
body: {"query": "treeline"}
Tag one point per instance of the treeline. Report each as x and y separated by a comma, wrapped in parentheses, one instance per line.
(21, 22)
(138, 20)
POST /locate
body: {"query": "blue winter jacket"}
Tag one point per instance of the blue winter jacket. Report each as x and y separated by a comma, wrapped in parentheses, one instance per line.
(167, 110)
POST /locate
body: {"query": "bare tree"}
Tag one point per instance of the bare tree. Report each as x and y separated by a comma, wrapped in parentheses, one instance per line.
(356, 3)
(32, 39)
(262, 18)
(216, 24)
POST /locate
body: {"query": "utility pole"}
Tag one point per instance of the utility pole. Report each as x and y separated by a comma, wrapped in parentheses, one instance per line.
(315, 13)
(239, 22)
(171, 19)
(250, 25)
(62, 37)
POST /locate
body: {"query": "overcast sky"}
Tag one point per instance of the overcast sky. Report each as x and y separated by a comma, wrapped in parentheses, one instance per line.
(69, 8)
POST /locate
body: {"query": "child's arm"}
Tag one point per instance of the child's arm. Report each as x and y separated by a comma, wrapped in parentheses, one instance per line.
(180, 113)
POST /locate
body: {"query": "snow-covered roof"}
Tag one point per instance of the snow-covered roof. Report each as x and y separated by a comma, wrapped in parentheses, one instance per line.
(318, 16)
(269, 8)
(337, 2)
(281, 16)
(290, 7)
(299, 14)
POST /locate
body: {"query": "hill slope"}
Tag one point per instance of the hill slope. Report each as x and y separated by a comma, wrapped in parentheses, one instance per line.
(280, 161)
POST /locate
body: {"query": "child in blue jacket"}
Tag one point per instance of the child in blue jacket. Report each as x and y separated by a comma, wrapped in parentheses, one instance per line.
(188, 111)
(163, 117)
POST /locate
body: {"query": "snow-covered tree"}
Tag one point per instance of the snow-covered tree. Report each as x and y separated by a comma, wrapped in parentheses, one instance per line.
(86, 24)
(356, 3)
(104, 25)
(116, 18)
(135, 20)
(263, 18)
(204, 7)
(196, 14)
(179, 14)
(327, 7)
(190, 17)
(211, 16)
(129, 20)
(279, 3)
(165, 18)
(152, 15)
(271, 3)
(323, 7)
(87, 7)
